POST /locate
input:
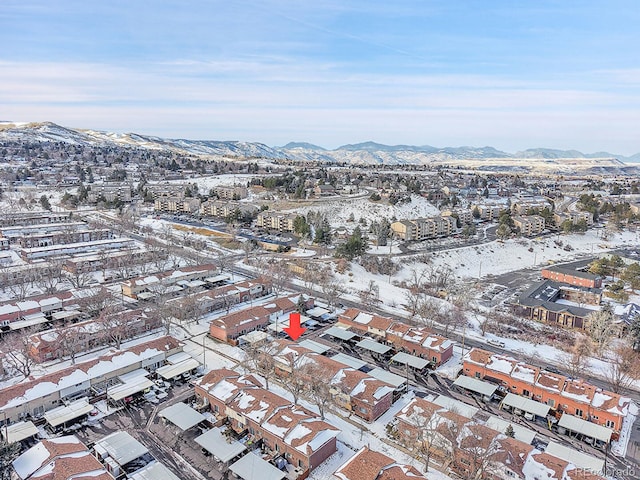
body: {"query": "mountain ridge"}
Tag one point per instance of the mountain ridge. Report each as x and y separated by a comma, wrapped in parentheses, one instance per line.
(359, 153)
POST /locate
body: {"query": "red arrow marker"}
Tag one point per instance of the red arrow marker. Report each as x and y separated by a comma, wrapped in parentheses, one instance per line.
(294, 330)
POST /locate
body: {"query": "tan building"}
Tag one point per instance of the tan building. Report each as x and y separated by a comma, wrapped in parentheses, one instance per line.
(176, 204)
(523, 206)
(529, 225)
(424, 228)
(219, 208)
(275, 221)
(489, 211)
(573, 217)
(230, 192)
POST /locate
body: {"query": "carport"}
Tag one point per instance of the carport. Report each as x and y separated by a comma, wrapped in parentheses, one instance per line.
(61, 415)
(373, 346)
(349, 361)
(412, 361)
(252, 467)
(133, 386)
(214, 442)
(519, 432)
(583, 427)
(18, 431)
(524, 404)
(182, 416)
(579, 459)
(457, 406)
(316, 347)
(154, 471)
(169, 372)
(475, 385)
(340, 333)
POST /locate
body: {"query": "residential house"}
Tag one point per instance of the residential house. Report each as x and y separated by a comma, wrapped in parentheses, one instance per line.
(368, 464)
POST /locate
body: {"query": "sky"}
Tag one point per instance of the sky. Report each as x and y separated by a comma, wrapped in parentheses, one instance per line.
(509, 74)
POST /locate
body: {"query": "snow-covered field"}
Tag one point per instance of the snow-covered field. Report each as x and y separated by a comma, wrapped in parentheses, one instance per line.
(340, 210)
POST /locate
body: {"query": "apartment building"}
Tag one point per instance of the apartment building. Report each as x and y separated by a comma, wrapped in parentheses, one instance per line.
(275, 221)
(235, 192)
(489, 211)
(285, 429)
(424, 228)
(176, 204)
(418, 341)
(563, 395)
(109, 192)
(571, 276)
(573, 217)
(464, 216)
(525, 205)
(218, 208)
(529, 225)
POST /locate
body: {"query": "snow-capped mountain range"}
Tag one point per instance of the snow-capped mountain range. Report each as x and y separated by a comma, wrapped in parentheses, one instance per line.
(358, 154)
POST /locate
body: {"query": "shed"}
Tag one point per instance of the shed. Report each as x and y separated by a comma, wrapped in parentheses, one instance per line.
(217, 445)
(410, 360)
(17, 432)
(252, 467)
(579, 459)
(457, 406)
(341, 333)
(171, 371)
(526, 405)
(182, 415)
(154, 471)
(485, 389)
(373, 346)
(589, 429)
(61, 415)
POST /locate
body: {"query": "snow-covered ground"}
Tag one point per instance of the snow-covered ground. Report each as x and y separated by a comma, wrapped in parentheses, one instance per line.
(339, 211)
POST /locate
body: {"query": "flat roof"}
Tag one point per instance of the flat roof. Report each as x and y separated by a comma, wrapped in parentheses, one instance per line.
(18, 431)
(254, 336)
(122, 447)
(317, 312)
(373, 346)
(411, 360)
(154, 471)
(348, 360)
(219, 446)
(526, 404)
(456, 406)
(475, 385)
(66, 413)
(35, 319)
(579, 459)
(61, 315)
(340, 333)
(127, 389)
(170, 371)
(387, 377)
(578, 425)
(178, 357)
(315, 346)
(252, 467)
(134, 375)
(520, 433)
(182, 415)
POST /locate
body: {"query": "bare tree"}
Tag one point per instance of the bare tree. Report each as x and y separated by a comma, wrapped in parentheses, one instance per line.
(79, 279)
(576, 361)
(50, 277)
(422, 438)
(296, 382)
(319, 391)
(333, 289)
(70, 342)
(427, 310)
(624, 368)
(260, 359)
(94, 300)
(370, 295)
(115, 325)
(17, 348)
(601, 329)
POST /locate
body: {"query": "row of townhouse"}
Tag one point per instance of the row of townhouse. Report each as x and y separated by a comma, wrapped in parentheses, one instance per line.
(472, 449)
(368, 464)
(18, 231)
(4, 243)
(31, 218)
(529, 225)
(61, 237)
(223, 297)
(280, 427)
(176, 204)
(351, 389)
(564, 395)
(36, 309)
(106, 260)
(276, 221)
(33, 397)
(94, 246)
(219, 208)
(228, 328)
(424, 228)
(109, 192)
(417, 341)
(196, 273)
(70, 340)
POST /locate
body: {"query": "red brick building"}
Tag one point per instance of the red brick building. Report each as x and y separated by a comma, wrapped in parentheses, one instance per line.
(572, 277)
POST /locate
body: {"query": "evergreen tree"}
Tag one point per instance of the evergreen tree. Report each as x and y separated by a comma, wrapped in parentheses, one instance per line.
(509, 432)
(8, 453)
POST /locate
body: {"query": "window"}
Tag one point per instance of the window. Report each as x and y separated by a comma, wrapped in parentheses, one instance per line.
(434, 359)
(579, 412)
(477, 374)
(526, 393)
(551, 402)
(610, 424)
